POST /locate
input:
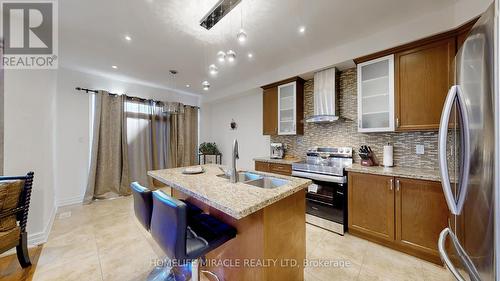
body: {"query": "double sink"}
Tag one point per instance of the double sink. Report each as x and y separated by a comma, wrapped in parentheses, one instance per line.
(258, 180)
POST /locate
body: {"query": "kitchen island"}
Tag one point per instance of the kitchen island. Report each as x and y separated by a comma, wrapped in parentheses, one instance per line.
(270, 244)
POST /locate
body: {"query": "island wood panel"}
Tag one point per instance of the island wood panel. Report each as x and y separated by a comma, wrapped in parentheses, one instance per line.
(275, 232)
(423, 76)
(371, 206)
(270, 111)
(421, 214)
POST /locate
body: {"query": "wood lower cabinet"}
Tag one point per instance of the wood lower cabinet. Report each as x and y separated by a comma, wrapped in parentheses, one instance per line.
(421, 214)
(261, 166)
(404, 214)
(371, 206)
(282, 169)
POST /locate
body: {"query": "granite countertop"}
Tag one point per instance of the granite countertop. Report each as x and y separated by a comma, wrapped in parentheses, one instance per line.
(235, 199)
(287, 161)
(413, 173)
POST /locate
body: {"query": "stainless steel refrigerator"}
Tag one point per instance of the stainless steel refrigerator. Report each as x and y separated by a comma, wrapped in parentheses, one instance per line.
(468, 155)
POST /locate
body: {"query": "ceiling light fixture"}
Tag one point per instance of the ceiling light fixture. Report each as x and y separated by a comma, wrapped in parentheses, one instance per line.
(114, 66)
(206, 85)
(242, 36)
(250, 55)
(221, 56)
(187, 85)
(231, 56)
(302, 29)
(220, 10)
(128, 38)
(212, 69)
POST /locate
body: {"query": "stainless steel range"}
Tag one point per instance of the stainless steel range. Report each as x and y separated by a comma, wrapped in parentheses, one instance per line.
(326, 197)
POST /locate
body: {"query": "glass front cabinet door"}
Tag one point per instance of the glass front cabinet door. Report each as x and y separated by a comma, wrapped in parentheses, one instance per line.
(376, 95)
(287, 97)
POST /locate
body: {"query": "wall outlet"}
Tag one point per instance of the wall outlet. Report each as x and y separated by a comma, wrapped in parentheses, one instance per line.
(420, 149)
(64, 215)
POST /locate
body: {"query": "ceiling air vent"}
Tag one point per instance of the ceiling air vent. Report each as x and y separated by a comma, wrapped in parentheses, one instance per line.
(220, 10)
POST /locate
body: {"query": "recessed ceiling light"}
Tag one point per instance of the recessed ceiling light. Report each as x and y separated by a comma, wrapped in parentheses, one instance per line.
(250, 55)
(114, 66)
(128, 38)
(187, 85)
(302, 29)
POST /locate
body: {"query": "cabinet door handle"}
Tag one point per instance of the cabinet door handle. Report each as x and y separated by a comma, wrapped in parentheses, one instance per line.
(391, 184)
(397, 122)
(397, 185)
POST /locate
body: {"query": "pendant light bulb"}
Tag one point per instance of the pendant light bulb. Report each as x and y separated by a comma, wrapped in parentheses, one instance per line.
(221, 56)
(231, 56)
(212, 69)
(242, 36)
(206, 85)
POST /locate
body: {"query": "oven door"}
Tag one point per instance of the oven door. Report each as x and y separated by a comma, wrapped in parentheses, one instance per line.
(326, 197)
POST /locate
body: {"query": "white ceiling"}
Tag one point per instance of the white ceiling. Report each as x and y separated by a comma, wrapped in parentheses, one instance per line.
(166, 35)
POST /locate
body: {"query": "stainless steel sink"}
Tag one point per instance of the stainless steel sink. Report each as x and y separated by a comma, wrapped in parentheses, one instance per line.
(257, 180)
(243, 176)
(267, 182)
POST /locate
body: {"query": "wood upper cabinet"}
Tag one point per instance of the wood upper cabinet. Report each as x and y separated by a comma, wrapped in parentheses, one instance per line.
(283, 107)
(270, 111)
(421, 214)
(371, 206)
(424, 75)
(404, 214)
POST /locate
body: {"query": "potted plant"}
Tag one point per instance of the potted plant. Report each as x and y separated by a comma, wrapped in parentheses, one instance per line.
(209, 148)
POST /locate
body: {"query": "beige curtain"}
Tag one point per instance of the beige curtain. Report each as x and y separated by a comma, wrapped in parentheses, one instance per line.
(108, 175)
(183, 143)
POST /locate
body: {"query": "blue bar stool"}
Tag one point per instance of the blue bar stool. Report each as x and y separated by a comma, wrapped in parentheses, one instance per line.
(184, 241)
(143, 205)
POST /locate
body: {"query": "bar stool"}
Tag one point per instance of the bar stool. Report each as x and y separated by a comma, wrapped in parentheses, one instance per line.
(143, 205)
(183, 241)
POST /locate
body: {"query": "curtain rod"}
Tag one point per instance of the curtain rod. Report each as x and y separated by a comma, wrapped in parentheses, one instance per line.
(131, 97)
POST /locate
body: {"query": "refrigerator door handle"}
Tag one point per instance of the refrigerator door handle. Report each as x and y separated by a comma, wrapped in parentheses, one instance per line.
(444, 255)
(454, 206)
(473, 274)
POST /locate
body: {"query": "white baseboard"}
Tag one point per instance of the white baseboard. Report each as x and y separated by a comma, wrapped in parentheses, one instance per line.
(42, 237)
(69, 201)
(35, 239)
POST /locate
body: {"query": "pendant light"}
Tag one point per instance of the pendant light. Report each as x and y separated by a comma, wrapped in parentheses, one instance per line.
(206, 85)
(212, 69)
(221, 56)
(242, 35)
(231, 56)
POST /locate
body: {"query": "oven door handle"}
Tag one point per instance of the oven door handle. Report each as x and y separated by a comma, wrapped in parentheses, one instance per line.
(318, 177)
(319, 202)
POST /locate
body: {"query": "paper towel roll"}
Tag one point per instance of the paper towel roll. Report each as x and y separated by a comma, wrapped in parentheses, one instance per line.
(388, 156)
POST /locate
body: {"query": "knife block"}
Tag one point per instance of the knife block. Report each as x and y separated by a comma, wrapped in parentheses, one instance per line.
(370, 161)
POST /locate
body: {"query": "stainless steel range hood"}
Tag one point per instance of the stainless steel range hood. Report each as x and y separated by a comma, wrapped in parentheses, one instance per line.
(325, 102)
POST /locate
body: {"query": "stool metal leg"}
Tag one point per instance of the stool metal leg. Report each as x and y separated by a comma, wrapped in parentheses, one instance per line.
(195, 270)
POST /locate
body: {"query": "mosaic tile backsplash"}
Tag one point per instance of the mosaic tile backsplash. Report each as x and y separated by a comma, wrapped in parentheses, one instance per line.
(345, 132)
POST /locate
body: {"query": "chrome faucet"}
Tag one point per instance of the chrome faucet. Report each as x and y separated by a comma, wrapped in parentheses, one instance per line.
(234, 173)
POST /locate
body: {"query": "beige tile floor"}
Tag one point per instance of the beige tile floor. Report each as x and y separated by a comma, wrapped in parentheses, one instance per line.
(104, 242)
